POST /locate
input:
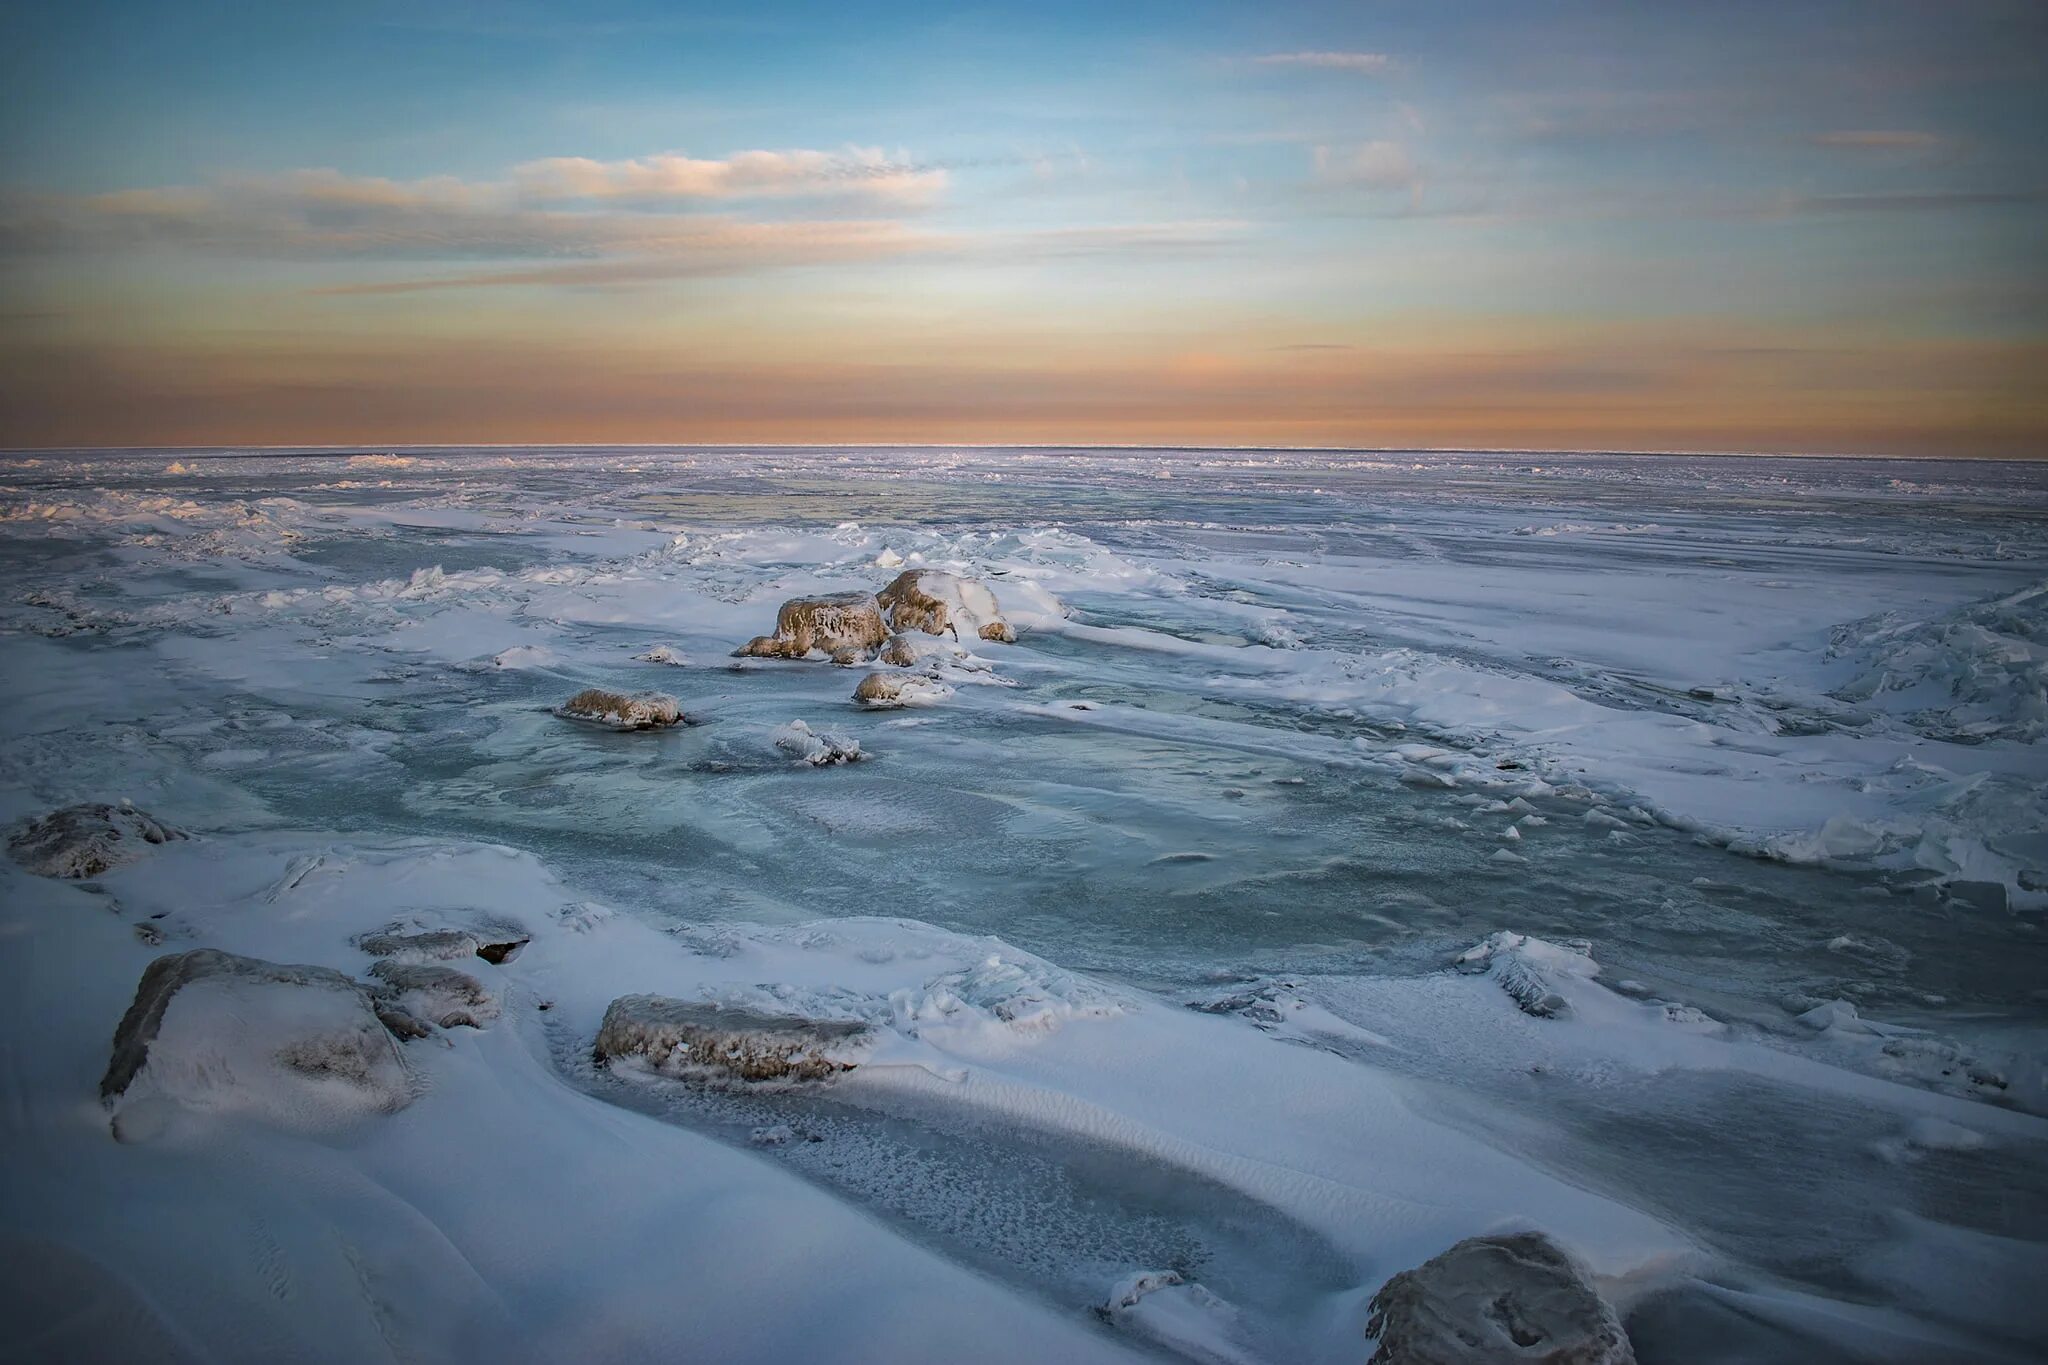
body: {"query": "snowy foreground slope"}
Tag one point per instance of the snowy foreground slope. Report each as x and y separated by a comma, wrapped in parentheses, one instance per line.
(1351, 854)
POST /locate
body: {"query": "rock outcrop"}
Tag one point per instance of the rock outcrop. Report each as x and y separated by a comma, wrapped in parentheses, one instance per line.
(1496, 1299)
(692, 1039)
(297, 1045)
(940, 603)
(641, 711)
(889, 691)
(86, 840)
(845, 627)
(820, 749)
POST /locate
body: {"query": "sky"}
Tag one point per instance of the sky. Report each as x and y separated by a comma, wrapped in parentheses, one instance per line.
(1809, 227)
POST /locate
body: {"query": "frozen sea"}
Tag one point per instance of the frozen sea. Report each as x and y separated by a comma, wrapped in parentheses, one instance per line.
(1156, 911)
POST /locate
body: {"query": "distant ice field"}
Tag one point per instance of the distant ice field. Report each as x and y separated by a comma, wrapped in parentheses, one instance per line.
(1283, 733)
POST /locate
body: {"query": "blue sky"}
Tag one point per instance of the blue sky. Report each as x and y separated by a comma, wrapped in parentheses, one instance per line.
(1798, 226)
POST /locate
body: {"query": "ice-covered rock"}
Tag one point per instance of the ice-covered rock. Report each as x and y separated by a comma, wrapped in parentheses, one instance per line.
(641, 711)
(437, 993)
(697, 1039)
(497, 944)
(1171, 1311)
(938, 657)
(1490, 1300)
(901, 651)
(818, 748)
(940, 603)
(1533, 971)
(663, 654)
(208, 1030)
(888, 691)
(845, 627)
(86, 840)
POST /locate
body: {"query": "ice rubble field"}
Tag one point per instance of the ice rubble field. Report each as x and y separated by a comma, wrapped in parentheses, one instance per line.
(1355, 853)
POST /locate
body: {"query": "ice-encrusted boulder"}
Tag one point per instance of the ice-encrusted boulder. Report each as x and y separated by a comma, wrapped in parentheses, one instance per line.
(940, 603)
(1496, 1299)
(699, 1039)
(496, 945)
(820, 749)
(1535, 973)
(846, 627)
(889, 691)
(900, 651)
(641, 711)
(297, 1045)
(435, 992)
(86, 840)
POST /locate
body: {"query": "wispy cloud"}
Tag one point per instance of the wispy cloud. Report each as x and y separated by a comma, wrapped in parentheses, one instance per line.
(1366, 63)
(865, 172)
(693, 248)
(562, 207)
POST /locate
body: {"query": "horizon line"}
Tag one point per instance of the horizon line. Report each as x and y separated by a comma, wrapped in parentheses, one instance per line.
(231, 450)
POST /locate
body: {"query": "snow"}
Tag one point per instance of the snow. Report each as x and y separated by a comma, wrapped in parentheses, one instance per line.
(1730, 770)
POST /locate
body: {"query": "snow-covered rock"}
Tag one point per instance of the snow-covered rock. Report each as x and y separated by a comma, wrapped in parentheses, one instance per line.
(641, 711)
(86, 840)
(439, 994)
(1186, 1318)
(845, 627)
(818, 748)
(940, 603)
(497, 944)
(299, 1046)
(664, 654)
(1534, 972)
(698, 1039)
(888, 691)
(1490, 1300)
